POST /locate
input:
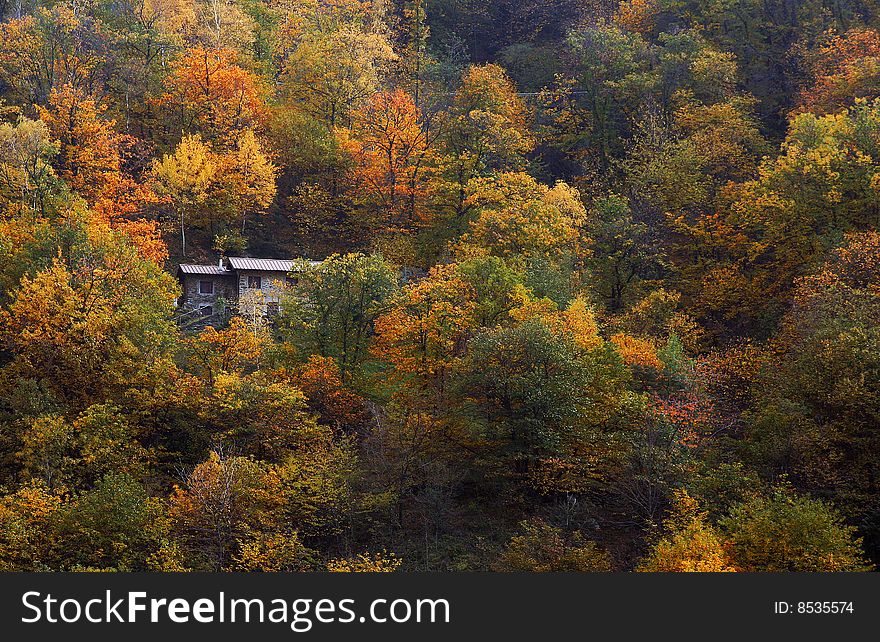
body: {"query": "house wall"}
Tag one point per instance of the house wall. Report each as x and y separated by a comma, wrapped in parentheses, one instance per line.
(192, 299)
(231, 295)
(272, 287)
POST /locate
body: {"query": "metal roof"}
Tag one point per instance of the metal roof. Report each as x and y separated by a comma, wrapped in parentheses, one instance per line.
(243, 263)
(262, 265)
(215, 270)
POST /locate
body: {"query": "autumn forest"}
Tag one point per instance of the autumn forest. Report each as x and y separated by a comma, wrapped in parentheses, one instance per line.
(588, 285)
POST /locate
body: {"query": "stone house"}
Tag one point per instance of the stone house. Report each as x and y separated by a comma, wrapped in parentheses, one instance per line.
(243, 285)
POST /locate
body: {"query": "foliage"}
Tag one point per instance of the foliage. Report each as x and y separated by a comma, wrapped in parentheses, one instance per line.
(333, 308)
(542, 548)
(378, 563)
(786, 533)
(690, 544)
(213, 95)
(607, 270)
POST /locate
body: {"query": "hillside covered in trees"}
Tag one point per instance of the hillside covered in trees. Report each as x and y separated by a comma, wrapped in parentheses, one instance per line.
(643, 331)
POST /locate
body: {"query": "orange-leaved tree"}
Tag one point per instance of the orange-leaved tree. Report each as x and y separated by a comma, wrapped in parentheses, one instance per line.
(214, 95)
(424, 334)
(388, 143)
(91, 160)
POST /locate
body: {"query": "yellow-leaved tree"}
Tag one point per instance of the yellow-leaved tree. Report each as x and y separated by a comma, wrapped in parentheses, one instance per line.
(690, 544)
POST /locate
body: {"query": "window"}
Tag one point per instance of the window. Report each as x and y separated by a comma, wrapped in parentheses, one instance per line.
(206, 287)
(255, 282)
(206, 310)
(273, 309)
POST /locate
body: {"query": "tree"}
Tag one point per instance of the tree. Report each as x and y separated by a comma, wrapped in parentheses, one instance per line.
(45, 454)
(91, 160)
(94, 322)
(535, 222)
(614, 79)
(115, 526)
(814, 406)
(776, 227)
(108, 444)
(567, 278)
(484, 130)
(423, 335)
(25, 536)
(542, 548)
(333, 308)
(677, 166)
(261, 416)
(605, 63)
(225, 24)
(248, 178)
(690, 545)
(843, 69)
(88, 147)
(538, 390)
(230, 350)
(187, 178)
(313, 184)
(318, 485)
(213, 189)
(727, 135)
(762, 37)
(336, 65)
(623, 252)
(413, 36)
(389, 144)
(637, 352)
(213, 95)
(274, 553)
(26, 172)
(51, 47)
(364, 563)
(498, 289)
(790, 533)
(336, 406)
(485, 28)
(219, 503)
(638, 16)
(64, 454)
